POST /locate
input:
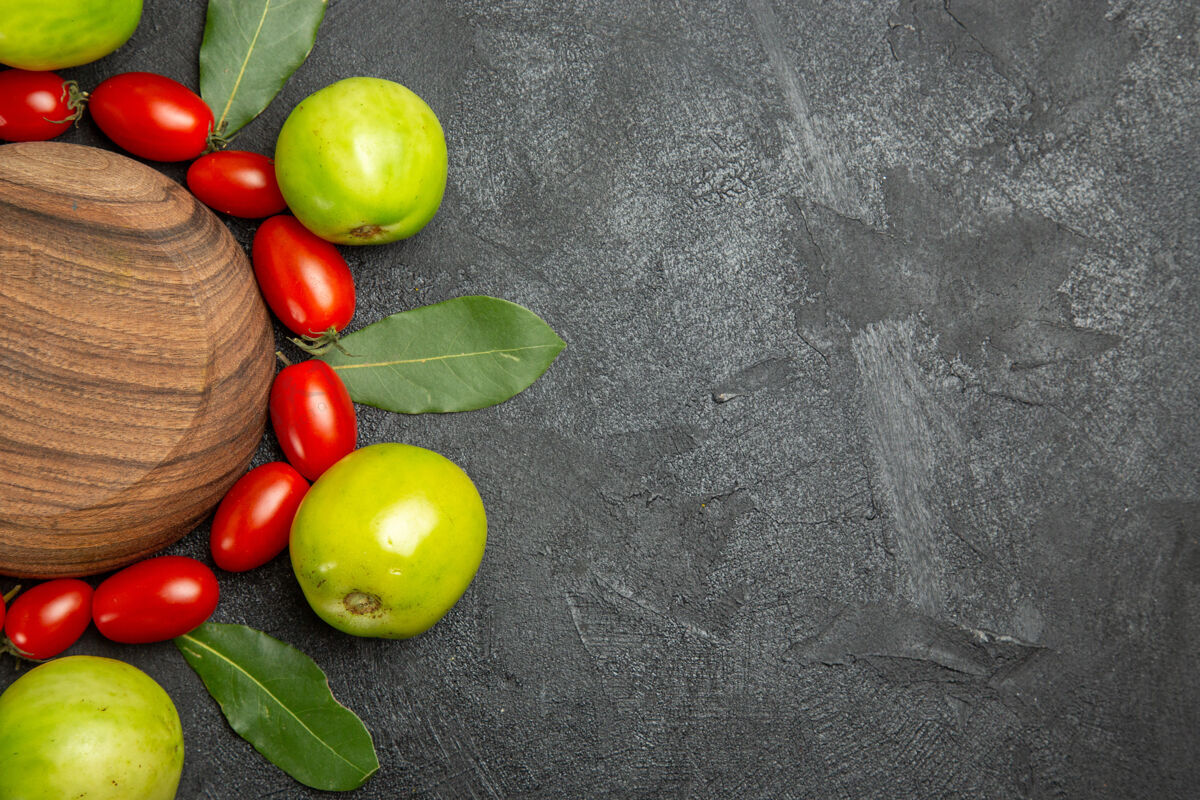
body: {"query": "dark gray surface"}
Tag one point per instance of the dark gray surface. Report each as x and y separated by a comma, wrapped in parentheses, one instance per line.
(871, 467)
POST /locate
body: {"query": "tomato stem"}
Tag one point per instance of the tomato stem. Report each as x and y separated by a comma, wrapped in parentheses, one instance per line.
(76, 101)
(6, 646)
(217, 140)
(282, 358)
(321, 344)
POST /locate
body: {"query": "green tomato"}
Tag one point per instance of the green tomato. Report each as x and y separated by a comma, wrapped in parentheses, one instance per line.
(85, 726)
(362, 161)
(53, 34)
(387, 540)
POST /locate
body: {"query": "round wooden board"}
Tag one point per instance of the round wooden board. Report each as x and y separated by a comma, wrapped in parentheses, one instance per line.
(134, 366)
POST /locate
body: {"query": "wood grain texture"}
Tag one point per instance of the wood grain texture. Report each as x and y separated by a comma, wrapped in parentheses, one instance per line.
(135, 369)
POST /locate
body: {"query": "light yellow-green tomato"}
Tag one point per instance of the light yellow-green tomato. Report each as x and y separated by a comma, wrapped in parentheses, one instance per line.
(362, 161)
(85, 726)
(387, 540)
(53, 34)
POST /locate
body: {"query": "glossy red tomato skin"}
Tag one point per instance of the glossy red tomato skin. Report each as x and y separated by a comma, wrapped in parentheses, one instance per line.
(46, 619)
(252, 523)
(303, 278)
(313, 417)
(33, 106)
(236, 182)
(151, 116)
(155, 600)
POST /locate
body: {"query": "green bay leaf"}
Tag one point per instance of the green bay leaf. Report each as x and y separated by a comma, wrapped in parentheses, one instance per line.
(278, 699)
(458, 355)
(250, 49)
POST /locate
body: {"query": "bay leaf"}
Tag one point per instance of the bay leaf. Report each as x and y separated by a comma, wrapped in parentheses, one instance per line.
(278, 699)
(458, 355)
(250, 49)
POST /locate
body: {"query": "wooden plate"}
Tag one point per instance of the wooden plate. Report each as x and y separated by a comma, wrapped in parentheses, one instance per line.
(135, 360)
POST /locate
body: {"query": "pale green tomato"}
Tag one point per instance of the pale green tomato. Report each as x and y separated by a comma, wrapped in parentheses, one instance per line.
(53, 34)
(84, 726)
(387, 540)
(362, 161)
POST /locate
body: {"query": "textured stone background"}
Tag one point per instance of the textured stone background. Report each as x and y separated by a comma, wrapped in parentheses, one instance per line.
(871, 467)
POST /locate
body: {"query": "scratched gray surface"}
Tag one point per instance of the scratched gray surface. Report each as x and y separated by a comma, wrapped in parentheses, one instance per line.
(871, 468)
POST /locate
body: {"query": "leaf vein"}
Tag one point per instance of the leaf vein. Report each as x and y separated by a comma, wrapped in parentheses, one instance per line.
(446, 357)
(242, 69)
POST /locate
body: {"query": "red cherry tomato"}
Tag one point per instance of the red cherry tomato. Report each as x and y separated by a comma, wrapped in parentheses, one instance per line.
(35, 106)
(155, 600)
(304, 278)
(151, 116)
(254, 519)
(47, 619)
(236, 182)
(313, 416)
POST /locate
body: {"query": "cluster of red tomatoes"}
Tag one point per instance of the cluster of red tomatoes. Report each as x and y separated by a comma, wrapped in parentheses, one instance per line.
(151, 601)
(307, 284)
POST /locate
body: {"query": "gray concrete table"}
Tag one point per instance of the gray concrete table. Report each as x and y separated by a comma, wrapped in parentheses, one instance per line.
(870, 470)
